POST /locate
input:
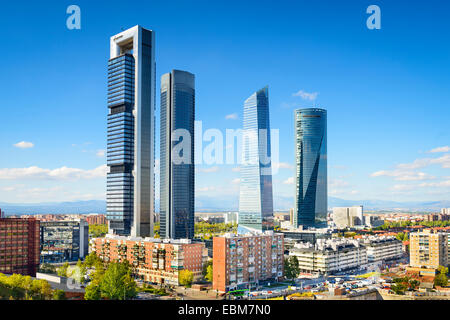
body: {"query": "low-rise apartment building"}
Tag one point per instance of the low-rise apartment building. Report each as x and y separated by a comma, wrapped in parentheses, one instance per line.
(154, 260)
(330, 256)
(240, 261)
(382, 249)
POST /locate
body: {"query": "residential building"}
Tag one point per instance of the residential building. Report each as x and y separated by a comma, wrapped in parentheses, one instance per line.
(311, 166)
(437, 217)
(177, 167)
(348, 217)
(131, 133)
(19, 246)
(96, 219)
(445, 211)
(382, 249)
(154, 260)
(428, 249)
(64, 241)
(330, 256)
(2, 214)
(291, 216)
(256, 197)
(309, 235)
(240, 261)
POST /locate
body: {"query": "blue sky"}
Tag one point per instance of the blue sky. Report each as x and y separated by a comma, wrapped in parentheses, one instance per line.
(386, 91)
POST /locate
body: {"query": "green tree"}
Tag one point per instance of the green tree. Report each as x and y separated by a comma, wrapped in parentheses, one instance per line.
(98, 230)
(91, 260)
(47, 268)
(117, 283)
(441, 279)
(291, 267)
(63, 271)
(205, 269)
(185, 278)
(59, 295)
(92, 291)
(209, 273)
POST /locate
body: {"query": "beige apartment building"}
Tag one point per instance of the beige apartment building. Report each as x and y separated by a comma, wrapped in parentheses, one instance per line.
(428, 251)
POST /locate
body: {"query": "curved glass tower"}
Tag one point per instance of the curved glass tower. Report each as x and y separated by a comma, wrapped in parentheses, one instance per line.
(311, 166)
(256, 199)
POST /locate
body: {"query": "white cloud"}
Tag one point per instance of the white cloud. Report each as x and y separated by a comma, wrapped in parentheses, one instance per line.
(336, 183)
(444, 161)
(401, 175)
(232, 116)
(100, 153)
(206, 189)
(290, 180)
(440, 150)
(24, 145)
(236, 181)
(236, 169)
(209, 170)
(63, 173)
(282, 165)
(306, 95)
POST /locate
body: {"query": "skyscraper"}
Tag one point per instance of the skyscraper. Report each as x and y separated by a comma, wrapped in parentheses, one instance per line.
(256, 199)
(177, 155)
(311, 166)
(130, 157)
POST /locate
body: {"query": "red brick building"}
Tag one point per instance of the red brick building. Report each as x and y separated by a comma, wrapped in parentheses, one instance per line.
(240, 261)
(19, 246)
(96, 219)
(154, 260)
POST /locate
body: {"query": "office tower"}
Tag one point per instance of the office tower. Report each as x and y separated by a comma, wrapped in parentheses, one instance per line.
(311, 166)
(19, 246)
(348, 217)
(242, 261)
(64, 241)
(177, 168)
(256, 199)
(131, 103)
(428, 250)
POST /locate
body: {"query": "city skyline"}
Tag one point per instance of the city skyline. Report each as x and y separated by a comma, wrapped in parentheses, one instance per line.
(52, 159)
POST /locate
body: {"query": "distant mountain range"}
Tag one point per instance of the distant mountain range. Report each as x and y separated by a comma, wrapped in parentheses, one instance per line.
(226, 203)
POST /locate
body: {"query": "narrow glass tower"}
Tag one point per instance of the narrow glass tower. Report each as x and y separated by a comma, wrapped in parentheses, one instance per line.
(130, 150)
(177, 182)
(311, 166)
(256, 198)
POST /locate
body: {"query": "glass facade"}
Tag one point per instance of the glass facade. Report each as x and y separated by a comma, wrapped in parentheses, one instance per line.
(130, 150)
(63, 241)
(120, 153)
(311, 166)
(177, 180)
(256, 198)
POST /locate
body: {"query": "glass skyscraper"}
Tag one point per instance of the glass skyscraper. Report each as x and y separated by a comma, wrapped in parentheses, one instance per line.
(130, 150)
(311, 166)
(256, 199)
(177, 184)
